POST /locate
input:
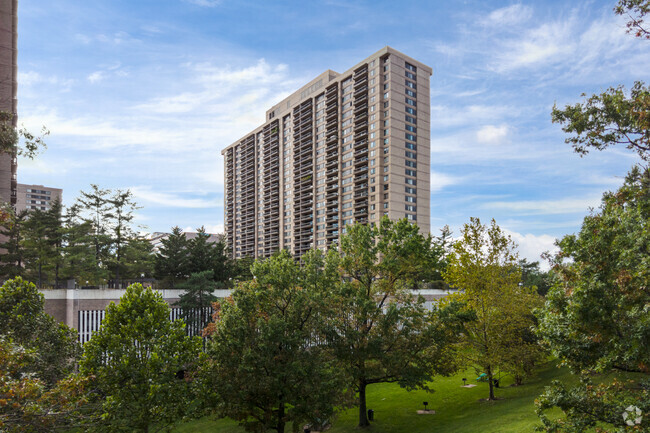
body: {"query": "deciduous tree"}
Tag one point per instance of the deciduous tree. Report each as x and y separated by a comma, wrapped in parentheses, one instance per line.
(23, 321)
(379, 331)
(483, 267)
(267, 365)
(596, 317)
(137, 359)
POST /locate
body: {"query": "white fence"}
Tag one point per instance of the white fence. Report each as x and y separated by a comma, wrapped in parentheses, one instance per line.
(91, 320)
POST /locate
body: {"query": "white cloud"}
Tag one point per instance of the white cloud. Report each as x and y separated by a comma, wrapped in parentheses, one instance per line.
(492, 134)
(204, 3)
(508, 16)
(209, 228)
(96, 77)
(546, 207)
(144, 194)
(532, 247)
(441, 180)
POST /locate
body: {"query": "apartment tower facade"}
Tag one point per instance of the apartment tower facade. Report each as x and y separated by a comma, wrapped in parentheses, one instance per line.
(8, 90)
(345, 148)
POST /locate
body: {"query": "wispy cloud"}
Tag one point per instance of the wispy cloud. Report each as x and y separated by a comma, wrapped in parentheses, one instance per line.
(513, 15)
(545, 207)
(145, 194)
(204, 3)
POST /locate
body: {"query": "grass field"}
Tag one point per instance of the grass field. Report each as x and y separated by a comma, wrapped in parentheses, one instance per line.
(458, 410)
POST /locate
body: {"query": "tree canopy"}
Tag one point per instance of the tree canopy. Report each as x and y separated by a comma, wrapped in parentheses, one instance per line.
(267, 365)
(483, 266)
(378, 330)
(137, 360)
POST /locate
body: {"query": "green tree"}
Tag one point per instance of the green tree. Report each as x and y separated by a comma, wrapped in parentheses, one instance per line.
(223, 266)
(19, 141)
(201, 252)
(39, 253)
(379, 331)
(172, 259)
(23, 321)
(80, 261)
(533, 276)
(609, 119)
(265, 364)
(196, 301)
(13, 257)
(95, 209)
(135, 359)
(635, 10)
(483, 267)
(596, 317)
(120, 218)
(138, 258)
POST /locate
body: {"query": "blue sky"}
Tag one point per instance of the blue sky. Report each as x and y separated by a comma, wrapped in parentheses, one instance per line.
(144, 95)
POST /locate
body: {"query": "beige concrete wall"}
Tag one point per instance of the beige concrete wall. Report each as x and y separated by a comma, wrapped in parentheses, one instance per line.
(65, 304)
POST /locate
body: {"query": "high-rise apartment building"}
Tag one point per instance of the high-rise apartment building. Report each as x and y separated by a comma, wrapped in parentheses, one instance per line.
(345, 148)
(32, 197)
(8, 89)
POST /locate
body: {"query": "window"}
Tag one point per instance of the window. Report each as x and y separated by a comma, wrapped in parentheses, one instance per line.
(410, 67)
(411, 217)
(411, 111)
(411, 93)
(412, 164)
(411, 128)
(411, 199)
(410, 154)
(411, 146)
(411, 102)
(386, 86)
(410, 172)
(386, 178)
(386, 104)
(410, 119)
(411, 181)
(409, 136)
(409, 190)
(386, 95)
(386, 187)
(409, 75)
(410, 84)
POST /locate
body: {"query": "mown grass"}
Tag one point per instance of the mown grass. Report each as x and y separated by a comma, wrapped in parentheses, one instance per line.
(458, 410)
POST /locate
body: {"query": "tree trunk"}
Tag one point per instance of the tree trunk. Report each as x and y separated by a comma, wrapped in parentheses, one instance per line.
(363, 415)
(280, 426)
(491, 382)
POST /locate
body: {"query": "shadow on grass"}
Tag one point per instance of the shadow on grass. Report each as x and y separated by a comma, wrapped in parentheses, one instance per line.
(458, 409)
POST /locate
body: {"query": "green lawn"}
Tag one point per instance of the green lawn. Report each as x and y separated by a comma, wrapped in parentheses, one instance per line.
(458, 410)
